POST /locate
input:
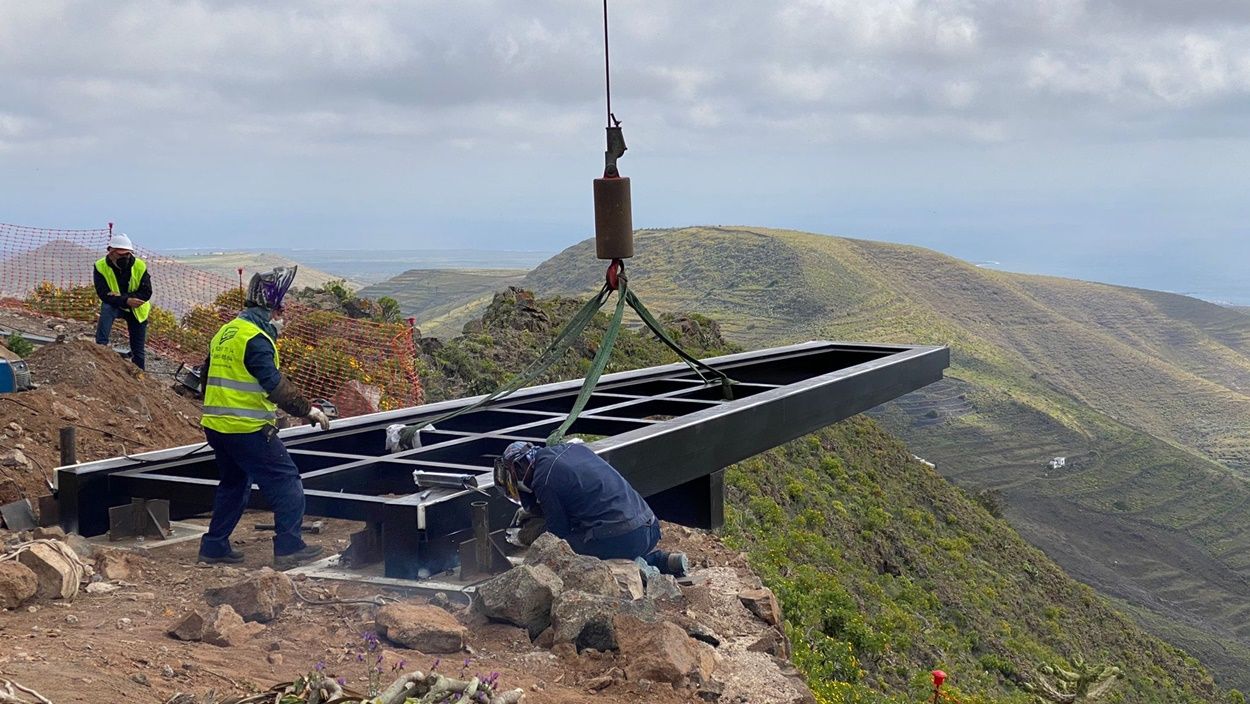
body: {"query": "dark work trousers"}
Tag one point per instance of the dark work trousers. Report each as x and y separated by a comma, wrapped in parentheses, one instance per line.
(260, 457)
(137, 331)
(639, 542)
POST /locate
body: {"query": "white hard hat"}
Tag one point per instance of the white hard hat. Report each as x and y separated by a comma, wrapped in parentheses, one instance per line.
(119, 240)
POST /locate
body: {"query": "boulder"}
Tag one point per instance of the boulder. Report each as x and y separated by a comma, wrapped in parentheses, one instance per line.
(628, 578)
(116, 565)
(663, 652)
(221, 626)
(763, 603)
(421, 627)
(54, 572)
(48, 533)
(259, 597)
(17, 584)
(521, 596)
(15, 458)
(585, 620)
(357, 399)
(664, 587)
(64, 412)
(579, 572)
(771, 642)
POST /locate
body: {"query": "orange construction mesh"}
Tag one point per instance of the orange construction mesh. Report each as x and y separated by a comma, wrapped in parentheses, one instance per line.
(49, 272)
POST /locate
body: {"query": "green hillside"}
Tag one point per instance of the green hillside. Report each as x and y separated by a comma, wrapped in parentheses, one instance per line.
(884, 569)
(443, 300)
(1140, 391)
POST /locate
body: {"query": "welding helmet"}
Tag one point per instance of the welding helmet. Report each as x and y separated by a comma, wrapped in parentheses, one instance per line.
(268, 289)
(511, 468)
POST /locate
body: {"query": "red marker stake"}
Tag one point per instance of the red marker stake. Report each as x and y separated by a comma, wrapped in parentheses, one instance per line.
(939, 678)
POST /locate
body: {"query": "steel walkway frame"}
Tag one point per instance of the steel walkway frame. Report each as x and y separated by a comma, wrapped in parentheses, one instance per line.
(666, 431)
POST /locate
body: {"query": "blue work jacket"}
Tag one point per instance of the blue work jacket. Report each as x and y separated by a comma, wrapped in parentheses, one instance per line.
(583, 496)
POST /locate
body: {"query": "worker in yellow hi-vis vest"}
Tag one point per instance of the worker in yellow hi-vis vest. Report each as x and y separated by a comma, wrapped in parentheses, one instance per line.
(125, 289)
(243, 391)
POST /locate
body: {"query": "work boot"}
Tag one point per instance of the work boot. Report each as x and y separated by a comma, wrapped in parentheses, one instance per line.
(297, 558)
(677, 564)
(233, 557)
(672, 563)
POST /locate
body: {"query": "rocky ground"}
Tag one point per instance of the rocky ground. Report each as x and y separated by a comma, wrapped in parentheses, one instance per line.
(85, 622)
(713, 639)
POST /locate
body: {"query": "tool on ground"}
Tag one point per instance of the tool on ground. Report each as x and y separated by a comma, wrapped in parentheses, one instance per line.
(190, 380)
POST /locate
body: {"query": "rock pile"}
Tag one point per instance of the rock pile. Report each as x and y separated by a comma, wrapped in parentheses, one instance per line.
(719, 635)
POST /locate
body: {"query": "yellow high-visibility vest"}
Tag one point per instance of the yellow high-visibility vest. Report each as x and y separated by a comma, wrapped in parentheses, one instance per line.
(137, 270)
(234, 401)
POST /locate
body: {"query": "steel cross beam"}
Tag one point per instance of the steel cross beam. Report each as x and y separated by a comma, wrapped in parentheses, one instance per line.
(666, 431)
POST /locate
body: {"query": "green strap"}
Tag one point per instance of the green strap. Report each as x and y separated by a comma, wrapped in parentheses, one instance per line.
(550, 356)
(596, 367)
(694, 364)
(576, 326)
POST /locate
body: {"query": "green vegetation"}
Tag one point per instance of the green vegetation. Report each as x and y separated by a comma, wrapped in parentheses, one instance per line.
(516, 327)
(885, 571)
(1144, 393)
(19, 345)
(443, 300)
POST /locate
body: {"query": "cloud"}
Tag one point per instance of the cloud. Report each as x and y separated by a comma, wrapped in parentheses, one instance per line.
(321, 72)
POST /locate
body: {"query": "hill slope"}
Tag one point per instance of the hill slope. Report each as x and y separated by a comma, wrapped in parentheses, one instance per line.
(1140, 391)
(227, 264)
(884, 569)
(443, 300)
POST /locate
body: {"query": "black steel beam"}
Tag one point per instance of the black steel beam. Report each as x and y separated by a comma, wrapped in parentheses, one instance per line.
(666, 431)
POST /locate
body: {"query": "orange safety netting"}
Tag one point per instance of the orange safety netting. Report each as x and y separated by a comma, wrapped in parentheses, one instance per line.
(327, 354)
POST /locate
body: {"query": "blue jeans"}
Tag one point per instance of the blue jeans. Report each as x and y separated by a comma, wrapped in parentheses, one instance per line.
(138, 331)
(241, 459)
(639, 542)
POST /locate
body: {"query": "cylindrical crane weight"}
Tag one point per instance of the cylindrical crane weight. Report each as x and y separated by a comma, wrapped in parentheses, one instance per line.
(614, 219)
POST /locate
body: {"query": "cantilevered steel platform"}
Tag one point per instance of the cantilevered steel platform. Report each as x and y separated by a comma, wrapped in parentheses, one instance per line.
(666, 431)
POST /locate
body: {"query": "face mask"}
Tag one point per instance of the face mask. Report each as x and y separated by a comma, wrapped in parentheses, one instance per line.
(278, 324)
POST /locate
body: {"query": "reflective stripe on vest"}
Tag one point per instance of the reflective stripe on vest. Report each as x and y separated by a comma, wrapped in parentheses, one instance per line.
(137, 270)
(234, 400)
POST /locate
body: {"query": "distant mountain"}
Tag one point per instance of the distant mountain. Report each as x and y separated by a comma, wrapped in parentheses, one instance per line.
(1145, 395)
(226, 265)
(443, 300)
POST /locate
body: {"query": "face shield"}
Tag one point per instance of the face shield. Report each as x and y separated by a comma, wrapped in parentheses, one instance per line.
(514, 461)
(268, 289)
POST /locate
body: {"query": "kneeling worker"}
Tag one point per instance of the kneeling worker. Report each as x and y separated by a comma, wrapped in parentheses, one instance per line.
(585, 501)
(243, 390)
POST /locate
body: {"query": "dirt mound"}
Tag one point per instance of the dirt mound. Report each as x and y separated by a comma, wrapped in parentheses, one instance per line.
(116, 408)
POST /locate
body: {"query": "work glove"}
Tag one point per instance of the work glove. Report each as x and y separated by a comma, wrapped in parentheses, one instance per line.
(519, 517)
(316, 416)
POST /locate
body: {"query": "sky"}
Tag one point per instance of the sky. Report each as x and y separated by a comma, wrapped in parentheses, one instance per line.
(1041, 134)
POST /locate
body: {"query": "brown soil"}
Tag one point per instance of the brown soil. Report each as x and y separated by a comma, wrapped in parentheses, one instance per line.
(116, 408)
(85, 652)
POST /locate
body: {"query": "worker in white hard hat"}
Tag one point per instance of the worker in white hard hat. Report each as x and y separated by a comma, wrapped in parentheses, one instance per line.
(125, 289)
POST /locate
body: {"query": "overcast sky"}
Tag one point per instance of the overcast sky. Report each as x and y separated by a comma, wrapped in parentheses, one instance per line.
(990, 128)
